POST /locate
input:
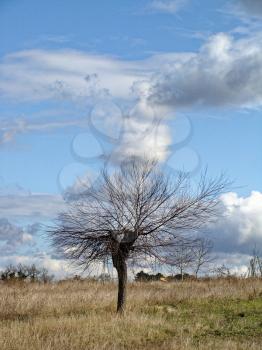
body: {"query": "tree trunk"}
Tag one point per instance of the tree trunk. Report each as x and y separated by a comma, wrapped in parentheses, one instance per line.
(119, 263)
(196, 272)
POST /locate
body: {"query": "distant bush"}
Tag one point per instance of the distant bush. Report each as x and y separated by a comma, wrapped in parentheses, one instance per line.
(180, 277)
(143, 276)
(25, 273)
(146, 277)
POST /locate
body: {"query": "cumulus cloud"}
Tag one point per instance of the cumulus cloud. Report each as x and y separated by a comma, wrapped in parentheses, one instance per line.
(239, 229)
(224, 73)
(13, 237)
(144, 133)
(21, 243)
(237, 263)
(167, 6)
(9, 232)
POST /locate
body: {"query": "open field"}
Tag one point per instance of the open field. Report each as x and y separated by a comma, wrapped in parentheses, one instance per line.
(216, 314)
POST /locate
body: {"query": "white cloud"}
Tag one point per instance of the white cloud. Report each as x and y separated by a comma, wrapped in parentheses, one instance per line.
(239, 229)
(237, 263)
(33, 74)
(224, 73)
(167, 6)
(26, 237)
(19, 204)
(65, 74)
(14, 237)
(60, 268)
(145, 133)
(9, 130)
(9, 232)
(81, 78)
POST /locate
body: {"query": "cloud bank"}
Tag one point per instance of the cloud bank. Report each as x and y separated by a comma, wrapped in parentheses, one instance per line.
(239, 229)
(225, 72)
(13, 237)
(30, 206)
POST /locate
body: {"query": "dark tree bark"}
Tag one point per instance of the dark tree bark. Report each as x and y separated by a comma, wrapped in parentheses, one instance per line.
(122, 281)
(182, 274)
(119, 262)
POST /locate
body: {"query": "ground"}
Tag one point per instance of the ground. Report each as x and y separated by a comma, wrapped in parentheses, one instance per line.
(74, 315)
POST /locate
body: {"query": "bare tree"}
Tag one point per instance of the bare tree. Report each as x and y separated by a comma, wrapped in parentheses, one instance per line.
(182, 256)
(255, 264)
(134, 213)
(201, 250)
(222, 271)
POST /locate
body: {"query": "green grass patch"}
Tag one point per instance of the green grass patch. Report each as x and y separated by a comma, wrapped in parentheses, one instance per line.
(221, 318)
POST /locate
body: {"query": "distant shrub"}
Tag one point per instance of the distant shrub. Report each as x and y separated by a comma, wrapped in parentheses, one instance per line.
(145, 277)
(180, 277)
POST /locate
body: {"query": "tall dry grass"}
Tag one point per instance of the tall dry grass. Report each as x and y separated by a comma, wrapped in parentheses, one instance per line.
(75, 315)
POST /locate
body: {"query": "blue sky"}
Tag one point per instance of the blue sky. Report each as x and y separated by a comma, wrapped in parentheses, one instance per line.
(196, 65)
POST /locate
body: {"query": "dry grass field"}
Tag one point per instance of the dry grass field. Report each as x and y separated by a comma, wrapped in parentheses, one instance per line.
(217, 314)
